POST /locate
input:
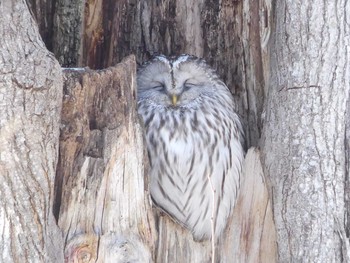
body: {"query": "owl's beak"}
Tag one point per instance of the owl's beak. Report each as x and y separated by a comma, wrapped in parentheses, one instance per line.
(174, 99)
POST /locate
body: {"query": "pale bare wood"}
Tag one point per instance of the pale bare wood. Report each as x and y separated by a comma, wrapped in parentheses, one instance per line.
(105, 208)
(176, 244)
(251, 236)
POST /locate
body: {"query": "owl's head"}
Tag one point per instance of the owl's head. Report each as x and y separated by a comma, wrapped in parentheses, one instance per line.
(176, 81)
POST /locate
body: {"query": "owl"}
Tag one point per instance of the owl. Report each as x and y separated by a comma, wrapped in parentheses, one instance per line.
(194, 141)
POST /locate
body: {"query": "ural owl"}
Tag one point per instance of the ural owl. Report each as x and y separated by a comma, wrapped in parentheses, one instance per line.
(194, 141)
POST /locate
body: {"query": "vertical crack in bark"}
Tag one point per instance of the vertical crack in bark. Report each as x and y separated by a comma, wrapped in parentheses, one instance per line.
(284, 215)
(58, 188)
(347, 170)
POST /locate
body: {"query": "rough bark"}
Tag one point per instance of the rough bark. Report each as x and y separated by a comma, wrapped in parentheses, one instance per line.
(43, 12)
(68, 31)
(102, 194)
(304, 129)
(30, 106)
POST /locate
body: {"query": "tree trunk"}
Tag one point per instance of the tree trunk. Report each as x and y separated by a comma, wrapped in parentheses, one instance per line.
(30, 107)
(102, 195)
(304, 130)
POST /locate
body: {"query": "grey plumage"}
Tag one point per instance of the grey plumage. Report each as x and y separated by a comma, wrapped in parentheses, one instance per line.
(192, 134)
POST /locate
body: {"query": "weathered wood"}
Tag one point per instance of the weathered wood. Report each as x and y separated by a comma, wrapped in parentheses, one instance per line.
(251, 236)
(102, 194)
(176, 244)
(304, 131)
(30, 107)
(256, 31)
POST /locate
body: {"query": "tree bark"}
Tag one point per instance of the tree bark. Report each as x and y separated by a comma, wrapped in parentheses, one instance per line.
(67, 31)
(30, 107)
(304, 129)
(43, 12)
(102, 193)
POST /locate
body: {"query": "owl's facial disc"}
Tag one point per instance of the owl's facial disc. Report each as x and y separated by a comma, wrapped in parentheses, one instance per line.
(173, 83)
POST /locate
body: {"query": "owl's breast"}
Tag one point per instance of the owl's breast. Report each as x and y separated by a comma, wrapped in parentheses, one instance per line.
(179, 147)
